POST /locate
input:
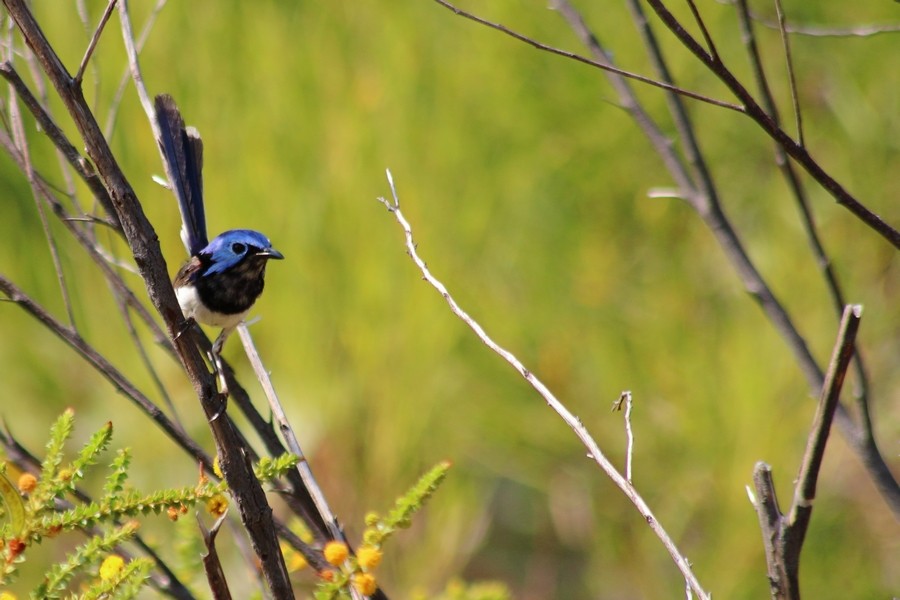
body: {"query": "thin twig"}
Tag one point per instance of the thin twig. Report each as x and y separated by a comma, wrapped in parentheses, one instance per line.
(126, 75)
(215, 573)
(93, 43)
(753, 110)
(288, 434)
(625, 398)
(703, 196)
(290, 438)
(789, 62)
(570, 419)
(135, 66)
(588, 61)
(22, 143)
(710, 45)
(82, 166)
(822, 30)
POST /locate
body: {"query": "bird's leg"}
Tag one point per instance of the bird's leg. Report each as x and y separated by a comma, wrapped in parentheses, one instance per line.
(215, 358)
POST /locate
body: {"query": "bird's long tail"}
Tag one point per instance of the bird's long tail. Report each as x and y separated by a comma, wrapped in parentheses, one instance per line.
(183, 151)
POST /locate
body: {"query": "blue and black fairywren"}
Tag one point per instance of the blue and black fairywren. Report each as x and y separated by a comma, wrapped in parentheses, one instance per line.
(224, 277)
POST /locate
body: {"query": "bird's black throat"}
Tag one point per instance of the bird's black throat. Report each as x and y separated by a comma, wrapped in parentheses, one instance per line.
(233, 290)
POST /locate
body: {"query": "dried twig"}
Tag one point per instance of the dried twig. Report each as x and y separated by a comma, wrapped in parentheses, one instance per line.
(626, 398)
(290, 437)
(600, 65)
(93, 43)
(594, 452)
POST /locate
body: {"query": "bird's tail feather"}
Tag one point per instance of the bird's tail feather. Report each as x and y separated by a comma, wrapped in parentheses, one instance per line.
(183, 151)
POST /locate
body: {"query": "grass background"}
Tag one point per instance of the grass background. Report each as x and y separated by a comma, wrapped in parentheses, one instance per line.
(527, 189)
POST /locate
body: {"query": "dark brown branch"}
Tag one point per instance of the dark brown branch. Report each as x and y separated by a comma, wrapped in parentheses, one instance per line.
(805, 491)
(79, 76)
(755, 112)
(250, 499)
(789, 63)
(215, 574)
(783, 535)
(600, 65)
(749, 107)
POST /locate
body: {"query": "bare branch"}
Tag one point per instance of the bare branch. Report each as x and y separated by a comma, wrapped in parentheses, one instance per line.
(81, 165)
(805, 490)
(18, 129)
(93, 43)
(783, 536)
(594, 452)
(215, 573)
(625, 398)
(789, 62)
(793, 148)
(289, 436)
(587, 61)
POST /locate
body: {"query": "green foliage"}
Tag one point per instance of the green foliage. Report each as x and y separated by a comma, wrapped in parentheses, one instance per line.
(379, 529)
(358, 570)
(52, 510)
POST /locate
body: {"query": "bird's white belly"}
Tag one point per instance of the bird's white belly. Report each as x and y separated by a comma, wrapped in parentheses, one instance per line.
(192, 307)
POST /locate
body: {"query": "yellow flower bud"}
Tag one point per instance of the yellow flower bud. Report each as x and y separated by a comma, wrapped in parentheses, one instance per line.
(368, 557)
(336, 552)
(27, 482)
(111, 567)
(365, 583)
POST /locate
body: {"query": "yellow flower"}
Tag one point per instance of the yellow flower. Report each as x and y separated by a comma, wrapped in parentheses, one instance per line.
(365, 583)
(27, 482)
(111, 567)
(7, 596)
(217, 468)
(336, 552)
(217, 505)
(368, 557)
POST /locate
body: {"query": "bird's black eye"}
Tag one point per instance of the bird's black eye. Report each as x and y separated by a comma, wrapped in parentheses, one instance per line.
(238, 248)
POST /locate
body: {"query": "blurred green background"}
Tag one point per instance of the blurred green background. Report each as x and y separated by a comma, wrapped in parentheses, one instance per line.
(527, 189)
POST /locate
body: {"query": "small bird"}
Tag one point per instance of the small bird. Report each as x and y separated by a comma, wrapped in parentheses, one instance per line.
(224, 277)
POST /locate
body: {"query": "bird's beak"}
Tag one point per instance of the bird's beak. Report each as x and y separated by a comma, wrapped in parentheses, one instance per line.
(270, 253)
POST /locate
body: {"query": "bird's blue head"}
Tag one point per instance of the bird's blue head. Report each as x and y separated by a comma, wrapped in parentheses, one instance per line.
(234, 246)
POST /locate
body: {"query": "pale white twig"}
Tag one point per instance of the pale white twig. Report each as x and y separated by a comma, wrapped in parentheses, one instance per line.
(123, 81)
(290, 438)
(135, 66)
(570, 419)
(625, 397)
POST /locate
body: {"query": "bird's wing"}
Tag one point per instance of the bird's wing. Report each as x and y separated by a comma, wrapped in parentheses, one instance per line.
(182, 149)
